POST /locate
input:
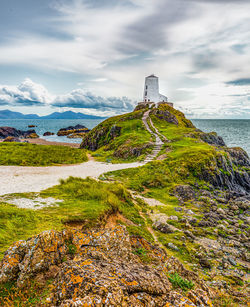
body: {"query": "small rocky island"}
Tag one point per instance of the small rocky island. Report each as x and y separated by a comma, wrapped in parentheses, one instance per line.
(77, 131)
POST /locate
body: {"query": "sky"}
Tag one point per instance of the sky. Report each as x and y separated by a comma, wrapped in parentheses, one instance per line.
(92, 56)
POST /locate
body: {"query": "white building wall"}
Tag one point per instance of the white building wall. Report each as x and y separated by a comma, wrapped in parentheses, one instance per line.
(163, 98)
(151, 89)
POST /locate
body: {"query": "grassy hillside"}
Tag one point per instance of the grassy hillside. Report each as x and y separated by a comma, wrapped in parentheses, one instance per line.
(87, 202)
(39, 155)
(119, 138)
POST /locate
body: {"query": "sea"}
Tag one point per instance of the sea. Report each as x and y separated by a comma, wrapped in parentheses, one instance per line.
(235, 132)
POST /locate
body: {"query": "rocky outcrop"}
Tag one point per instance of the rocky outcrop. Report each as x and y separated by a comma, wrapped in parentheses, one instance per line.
(12, 139)
(184, 192)
(48, 133)
(99, 267)
(9, 131)
(126, 150)
(166, 116)
(223, 172)
(212, 138)
(101, 136)
(72, 130)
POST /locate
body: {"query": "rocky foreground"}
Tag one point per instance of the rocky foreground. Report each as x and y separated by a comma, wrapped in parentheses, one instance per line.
(100, 267)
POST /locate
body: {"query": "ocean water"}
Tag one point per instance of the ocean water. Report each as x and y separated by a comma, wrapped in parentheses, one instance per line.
(52, 125)
(235, 132)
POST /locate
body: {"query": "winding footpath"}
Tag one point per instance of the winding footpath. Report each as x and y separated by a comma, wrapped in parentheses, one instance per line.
(20, 179)
(158, 137)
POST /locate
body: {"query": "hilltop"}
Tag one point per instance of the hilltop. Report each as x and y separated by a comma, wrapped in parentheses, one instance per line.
(172, 231)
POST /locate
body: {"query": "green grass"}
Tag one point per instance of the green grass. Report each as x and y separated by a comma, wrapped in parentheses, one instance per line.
(178, 282)
(133, 136)
(84, 200)
(39, 155)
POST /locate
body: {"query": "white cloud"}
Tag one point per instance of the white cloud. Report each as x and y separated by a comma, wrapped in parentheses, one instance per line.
(29, 93)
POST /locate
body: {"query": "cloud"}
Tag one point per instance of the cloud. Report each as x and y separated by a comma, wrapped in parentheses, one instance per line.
(80, 99)
(239, 82)
(109, 46)
(29, 93)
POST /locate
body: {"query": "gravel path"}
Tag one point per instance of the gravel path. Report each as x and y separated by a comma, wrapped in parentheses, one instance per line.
(20, 179)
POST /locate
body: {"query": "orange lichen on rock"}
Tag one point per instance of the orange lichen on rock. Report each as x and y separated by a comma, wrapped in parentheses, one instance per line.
(101, 271)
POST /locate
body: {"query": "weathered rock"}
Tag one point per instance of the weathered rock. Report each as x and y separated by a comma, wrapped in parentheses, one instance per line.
(72, 129)
(47, 133)
(205, 263)
(162, 225)
(221, 211)
(12, 139)
(9, 131)
(184, 192)
(212, 138)
(100, 270)
(173, 246)
(189, 234)
(165, 115)
(223, 173)
(173, 218)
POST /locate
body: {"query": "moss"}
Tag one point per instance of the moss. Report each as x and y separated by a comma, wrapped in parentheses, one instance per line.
(39, 155)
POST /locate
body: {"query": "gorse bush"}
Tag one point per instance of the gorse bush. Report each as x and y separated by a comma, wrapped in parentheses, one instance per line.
(39, 155)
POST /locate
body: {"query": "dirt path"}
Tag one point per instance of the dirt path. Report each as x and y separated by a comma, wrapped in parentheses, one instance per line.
(20, 179)
(158, 142)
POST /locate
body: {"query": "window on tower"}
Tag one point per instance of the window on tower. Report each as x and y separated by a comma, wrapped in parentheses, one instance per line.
(146, 87)
(146, 93)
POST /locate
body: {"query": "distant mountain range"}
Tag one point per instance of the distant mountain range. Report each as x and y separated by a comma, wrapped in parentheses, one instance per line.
(7, 114)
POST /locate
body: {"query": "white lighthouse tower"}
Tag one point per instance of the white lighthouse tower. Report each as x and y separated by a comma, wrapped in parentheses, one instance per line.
(151, 90)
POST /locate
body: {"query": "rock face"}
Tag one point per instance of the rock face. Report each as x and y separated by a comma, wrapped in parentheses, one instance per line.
(101, 137)
(47, 133)
(166, 115)
(98, 268)
(230, 171)
(213, 139)
(72, 130)
(9, 131)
